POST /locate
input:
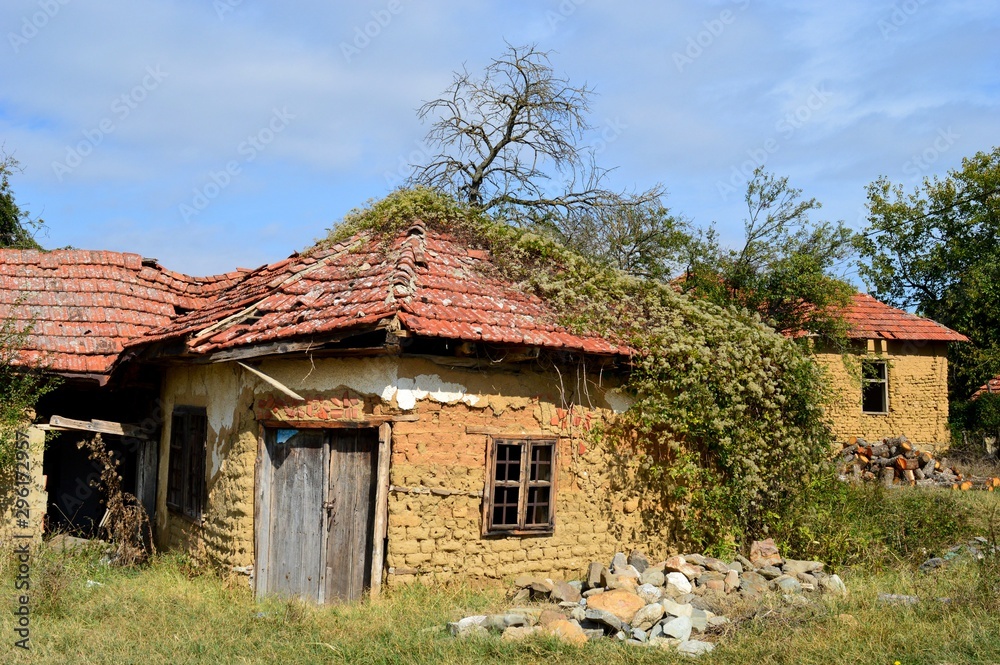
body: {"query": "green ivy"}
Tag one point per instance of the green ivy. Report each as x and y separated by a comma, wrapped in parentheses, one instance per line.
(728, 416)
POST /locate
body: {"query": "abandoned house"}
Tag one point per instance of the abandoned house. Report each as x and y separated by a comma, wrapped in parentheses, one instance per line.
(894, 380)
(372, 412)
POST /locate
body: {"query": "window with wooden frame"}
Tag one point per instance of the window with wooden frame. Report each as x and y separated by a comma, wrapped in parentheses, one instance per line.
(520, 496)
(875, 386)
(186, 466)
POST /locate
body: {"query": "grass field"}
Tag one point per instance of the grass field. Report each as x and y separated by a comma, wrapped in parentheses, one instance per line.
(170, 612)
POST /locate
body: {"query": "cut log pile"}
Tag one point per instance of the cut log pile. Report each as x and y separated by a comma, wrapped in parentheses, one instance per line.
(896, 461)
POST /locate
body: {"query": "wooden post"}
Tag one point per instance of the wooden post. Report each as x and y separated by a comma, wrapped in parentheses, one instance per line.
(381, 507)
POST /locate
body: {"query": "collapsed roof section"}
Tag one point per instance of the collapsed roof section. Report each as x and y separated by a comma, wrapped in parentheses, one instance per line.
(422, 282)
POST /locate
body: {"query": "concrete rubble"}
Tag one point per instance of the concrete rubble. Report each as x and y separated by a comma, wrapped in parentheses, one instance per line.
(663, 605)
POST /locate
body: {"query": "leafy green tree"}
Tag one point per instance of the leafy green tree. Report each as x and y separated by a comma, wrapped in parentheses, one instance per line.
(784, 270)
(937, 250)
(17, 227)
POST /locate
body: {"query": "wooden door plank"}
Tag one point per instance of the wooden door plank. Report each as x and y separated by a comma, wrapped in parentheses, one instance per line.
(381, 508)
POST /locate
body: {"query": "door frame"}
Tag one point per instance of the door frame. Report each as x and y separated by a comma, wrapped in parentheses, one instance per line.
(263, 490)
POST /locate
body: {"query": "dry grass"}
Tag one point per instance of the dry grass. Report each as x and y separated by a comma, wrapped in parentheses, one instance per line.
(169, 612)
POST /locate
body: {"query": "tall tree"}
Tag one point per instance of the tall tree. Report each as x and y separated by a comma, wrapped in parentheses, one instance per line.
(937, 250)
(512, 142)
(17, 227)
(785, 268)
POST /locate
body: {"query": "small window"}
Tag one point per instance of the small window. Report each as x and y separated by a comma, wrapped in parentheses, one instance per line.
(521, 486)
(186, 467)
(874, 386)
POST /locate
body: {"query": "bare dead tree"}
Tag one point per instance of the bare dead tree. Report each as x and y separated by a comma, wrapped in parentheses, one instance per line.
(506, 136)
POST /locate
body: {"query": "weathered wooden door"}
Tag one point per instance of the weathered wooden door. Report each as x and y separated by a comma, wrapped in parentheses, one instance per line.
(296, 490)
(315, 516)
(351, 512)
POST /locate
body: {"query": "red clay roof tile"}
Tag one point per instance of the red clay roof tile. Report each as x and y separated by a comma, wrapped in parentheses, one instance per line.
(991, 386)
(85, 305)
(867, 318)
(434, 285)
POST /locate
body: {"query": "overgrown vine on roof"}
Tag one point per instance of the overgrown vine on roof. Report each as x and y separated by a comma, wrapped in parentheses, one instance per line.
(728, 420)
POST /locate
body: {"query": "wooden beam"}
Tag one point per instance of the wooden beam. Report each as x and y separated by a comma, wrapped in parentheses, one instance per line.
(370, 421)
(435, 491)
(381, 507)
(98, 427)
(524, 434)
(273, 382)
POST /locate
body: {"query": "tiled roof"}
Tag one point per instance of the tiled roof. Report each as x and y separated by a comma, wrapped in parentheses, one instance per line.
(432, 283)
(84, 305)
(991, 386)
(867, 318)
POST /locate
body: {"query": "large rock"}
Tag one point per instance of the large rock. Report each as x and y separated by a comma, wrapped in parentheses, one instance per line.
(653, 576)
(793, 567)
(699, 619)
(646, 617)
(618, 562)
(676, 609)
(753, 584)
(832, 584)
(468, 626)
(716, 565)
(678, 628)
(679, 581)
(548, 616)
(695, 647)
(732, 581)
(562, 592)
(769, 572)
(764, 553)
(786, 584)
(567, 631)
(678, 564)
(605, 618)
(518, 633)
(625, 580)
(622, 604)
(594, 574)
(649, 593)
(638, 560)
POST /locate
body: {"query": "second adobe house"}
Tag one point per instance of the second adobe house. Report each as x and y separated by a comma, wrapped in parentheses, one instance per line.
(378, 410)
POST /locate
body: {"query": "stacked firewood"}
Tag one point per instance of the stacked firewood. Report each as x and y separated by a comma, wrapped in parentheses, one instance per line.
(895, 460)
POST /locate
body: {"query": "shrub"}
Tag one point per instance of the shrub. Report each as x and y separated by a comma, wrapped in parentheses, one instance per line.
(848, 524)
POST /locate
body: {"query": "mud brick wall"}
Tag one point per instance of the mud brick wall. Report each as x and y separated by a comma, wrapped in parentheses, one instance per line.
(918, 393)
(430, 537)
(11, 524)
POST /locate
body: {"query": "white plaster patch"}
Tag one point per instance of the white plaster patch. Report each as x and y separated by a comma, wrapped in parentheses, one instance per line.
(375, 376)
(619, 401)
(408, 391)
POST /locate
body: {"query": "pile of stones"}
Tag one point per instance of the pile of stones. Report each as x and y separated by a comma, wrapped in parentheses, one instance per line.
(667, 604)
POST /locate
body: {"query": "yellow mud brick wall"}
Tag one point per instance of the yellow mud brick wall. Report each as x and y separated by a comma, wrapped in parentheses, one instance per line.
(27, 485)
(918, 392)
(430, 537)
(225, 535)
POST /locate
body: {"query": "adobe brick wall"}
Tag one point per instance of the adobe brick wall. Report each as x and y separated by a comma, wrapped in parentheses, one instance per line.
(36, 497)
(225, 536)
(918, 393)
(438, 537)
(430, 537)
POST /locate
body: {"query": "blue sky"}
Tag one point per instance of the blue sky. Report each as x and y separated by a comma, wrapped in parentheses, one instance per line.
(215, 134)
